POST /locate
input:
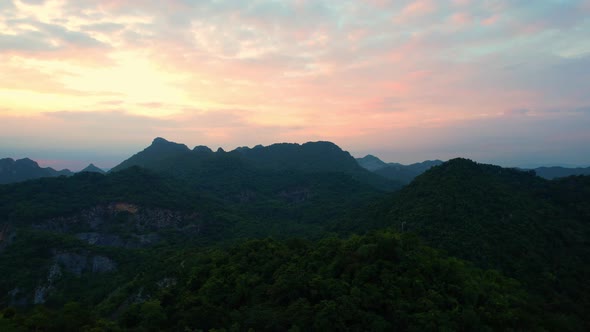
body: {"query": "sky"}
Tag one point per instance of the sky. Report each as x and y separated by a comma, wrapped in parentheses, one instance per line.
(498, 81)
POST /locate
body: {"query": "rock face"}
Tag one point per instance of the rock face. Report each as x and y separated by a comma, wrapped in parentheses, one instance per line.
(72, 263)
(103, 225)
(7, 235)
(102, 264)
(99, 239)
(75, 264)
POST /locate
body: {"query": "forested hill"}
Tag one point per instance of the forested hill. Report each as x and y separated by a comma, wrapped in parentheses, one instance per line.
(528, 227)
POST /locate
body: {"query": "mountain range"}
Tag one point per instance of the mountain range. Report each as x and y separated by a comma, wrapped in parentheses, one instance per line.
(312, 156)
(26, 169)
(294, 237)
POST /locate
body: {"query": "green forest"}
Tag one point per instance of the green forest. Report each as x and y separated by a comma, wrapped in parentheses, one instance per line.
(181, 240)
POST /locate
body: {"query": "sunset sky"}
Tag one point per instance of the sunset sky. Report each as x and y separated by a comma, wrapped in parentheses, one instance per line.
(499, 81)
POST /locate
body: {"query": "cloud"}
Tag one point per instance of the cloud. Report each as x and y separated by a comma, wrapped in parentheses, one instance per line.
(419, 8)
(34, 2)
(218, 71)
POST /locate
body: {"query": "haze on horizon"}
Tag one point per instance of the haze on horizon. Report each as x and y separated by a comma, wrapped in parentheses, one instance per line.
(499, 81)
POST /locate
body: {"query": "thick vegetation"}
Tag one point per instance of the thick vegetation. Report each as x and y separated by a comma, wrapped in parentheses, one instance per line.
(342, 255)
(529, 228)
(378, 282)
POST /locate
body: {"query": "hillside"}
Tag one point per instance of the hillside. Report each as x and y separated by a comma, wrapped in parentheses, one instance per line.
(382, 281)
(505, 219)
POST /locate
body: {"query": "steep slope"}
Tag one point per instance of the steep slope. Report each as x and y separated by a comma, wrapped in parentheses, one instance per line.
(506, 219)
(25, 169)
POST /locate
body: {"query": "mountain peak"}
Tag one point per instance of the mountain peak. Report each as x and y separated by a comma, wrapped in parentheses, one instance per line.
(93, 169)
(27, 162)
(159, 140)
(158, 150)
(371, 162)
(202, 148)
(460, 163)
(162, 143)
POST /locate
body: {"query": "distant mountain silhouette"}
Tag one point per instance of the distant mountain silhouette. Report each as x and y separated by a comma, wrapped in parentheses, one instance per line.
(394, 171)
(93, 168)
(371, 162)
(312, 156)
(316, 157)
(25, 169)
(560, 172)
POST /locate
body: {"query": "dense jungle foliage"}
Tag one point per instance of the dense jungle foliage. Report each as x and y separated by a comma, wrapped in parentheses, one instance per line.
(245, 242)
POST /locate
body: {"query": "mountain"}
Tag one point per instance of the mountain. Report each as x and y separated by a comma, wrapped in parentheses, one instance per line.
(154, 155)
(394, 171)
(92, 168)
(310, 157)
(25, 169)
(560, 172)
(202, 165)
(371, 162)
(507, 219)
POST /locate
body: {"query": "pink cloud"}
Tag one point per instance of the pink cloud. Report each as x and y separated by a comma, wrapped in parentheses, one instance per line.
(491, 20)
(461, 18)
(379, 3)
(461, 2)
(418, 8)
